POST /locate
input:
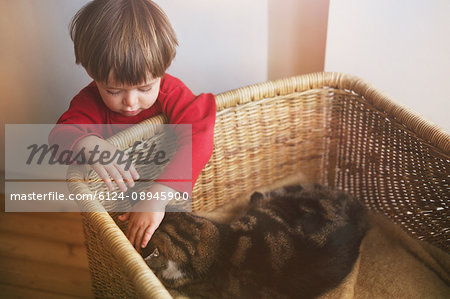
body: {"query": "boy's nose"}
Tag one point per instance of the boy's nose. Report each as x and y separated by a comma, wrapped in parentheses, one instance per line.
(130, 99)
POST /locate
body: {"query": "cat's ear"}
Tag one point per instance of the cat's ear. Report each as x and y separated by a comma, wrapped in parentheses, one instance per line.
(319, 187)
(155, 253)
(256, 198)
(293, 188)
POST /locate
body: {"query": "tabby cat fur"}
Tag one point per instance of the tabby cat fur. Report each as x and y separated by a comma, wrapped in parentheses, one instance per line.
(290, 243)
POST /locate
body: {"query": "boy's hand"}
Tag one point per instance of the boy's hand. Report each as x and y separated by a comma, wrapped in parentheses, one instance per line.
(115, 170)
(142, 225)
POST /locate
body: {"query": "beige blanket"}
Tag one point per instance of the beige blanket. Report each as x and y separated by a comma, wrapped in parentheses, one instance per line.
(394, 265)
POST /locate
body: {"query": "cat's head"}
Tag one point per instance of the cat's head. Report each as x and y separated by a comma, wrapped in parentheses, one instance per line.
(258, 199)
(182, 249)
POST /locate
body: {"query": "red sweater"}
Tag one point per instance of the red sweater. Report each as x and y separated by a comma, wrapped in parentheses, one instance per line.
(175, 100)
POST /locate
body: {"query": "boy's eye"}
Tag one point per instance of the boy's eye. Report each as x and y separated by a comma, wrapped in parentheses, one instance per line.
(112, 92)
(146, 89)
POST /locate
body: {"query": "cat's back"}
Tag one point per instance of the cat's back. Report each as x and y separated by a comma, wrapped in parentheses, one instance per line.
(298, 241)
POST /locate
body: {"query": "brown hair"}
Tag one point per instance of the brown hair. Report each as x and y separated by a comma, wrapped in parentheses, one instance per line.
(127, 38)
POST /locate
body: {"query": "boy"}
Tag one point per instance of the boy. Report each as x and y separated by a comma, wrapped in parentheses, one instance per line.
(126, 46)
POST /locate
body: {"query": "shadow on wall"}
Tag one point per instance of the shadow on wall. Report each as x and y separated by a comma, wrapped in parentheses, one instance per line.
(297, 37)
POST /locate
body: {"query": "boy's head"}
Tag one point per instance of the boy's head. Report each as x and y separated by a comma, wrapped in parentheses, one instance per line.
(127, 40)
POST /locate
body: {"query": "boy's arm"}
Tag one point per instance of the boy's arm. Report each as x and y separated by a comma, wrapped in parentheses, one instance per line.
(82, 127)
(80, 120)
(182, 107)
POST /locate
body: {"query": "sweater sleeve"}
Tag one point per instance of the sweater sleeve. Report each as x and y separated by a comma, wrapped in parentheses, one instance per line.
(183, 108)
(80, 120)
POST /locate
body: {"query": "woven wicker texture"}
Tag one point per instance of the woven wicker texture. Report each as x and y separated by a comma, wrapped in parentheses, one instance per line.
(336, 129)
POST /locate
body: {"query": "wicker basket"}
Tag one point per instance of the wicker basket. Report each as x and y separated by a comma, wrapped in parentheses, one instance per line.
(334, 128)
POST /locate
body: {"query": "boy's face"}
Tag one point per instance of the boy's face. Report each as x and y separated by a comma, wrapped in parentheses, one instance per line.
(129, 100)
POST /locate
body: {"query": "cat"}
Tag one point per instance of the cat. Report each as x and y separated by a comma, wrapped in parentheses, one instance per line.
(289, 243)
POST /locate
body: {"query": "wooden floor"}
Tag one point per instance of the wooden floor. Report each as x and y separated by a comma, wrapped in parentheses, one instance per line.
(42, 255)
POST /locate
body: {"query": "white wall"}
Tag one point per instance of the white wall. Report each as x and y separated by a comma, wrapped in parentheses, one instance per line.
(223, 44)
(38, 76)
(400, 46)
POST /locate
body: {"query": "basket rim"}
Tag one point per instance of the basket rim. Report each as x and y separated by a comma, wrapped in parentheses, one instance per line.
(379, 100)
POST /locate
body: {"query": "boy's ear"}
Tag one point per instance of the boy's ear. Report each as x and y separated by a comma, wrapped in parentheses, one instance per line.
(89, 74)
